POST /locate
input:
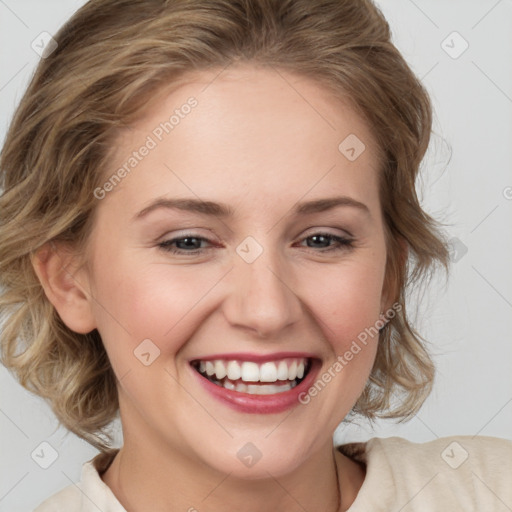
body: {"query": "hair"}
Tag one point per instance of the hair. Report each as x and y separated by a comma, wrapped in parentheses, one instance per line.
(113, 55)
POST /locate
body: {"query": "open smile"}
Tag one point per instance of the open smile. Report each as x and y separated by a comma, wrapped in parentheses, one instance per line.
(265, 386)
(255, 379)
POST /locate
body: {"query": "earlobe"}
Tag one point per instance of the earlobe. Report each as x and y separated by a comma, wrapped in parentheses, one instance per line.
(64, 286)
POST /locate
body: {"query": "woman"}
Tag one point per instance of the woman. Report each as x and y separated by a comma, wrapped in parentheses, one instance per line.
(209, 223)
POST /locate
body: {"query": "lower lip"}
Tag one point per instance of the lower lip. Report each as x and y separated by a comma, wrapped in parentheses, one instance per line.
(259, 404)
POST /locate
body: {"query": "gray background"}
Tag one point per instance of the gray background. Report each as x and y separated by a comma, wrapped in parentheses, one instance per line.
(467, 184)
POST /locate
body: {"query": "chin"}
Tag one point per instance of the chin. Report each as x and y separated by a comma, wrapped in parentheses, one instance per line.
(250, 463)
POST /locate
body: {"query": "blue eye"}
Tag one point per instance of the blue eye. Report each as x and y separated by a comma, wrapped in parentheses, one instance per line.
(325, 242)
(193, 245)
(189, 244)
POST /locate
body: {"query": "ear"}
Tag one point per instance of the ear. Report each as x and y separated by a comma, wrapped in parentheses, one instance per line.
(64, 285)
(395, 266)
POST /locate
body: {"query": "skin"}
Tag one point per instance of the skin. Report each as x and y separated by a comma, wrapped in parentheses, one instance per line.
(259, 141)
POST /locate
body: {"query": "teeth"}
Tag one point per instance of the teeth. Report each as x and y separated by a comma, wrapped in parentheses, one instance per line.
(241, 387)
(234, 371)
(220, 370)
(288, 369)
(229, 385)
(268, 372)
(210, 368)
(292, 370)
(254, 389)
(300, 370)
(250, 372)
(282, 371)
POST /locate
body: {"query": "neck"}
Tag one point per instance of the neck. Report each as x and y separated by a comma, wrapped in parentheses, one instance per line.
(148, 479)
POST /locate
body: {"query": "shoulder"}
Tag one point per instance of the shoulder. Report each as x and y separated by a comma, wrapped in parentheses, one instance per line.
(461, 471)
(66, 499)
(89, 494)
(453, 451)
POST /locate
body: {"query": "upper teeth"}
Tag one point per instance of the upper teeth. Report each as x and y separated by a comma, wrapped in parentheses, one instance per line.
(248, 371)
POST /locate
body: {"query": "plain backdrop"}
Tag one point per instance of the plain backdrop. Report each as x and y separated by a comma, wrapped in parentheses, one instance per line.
(462, 50)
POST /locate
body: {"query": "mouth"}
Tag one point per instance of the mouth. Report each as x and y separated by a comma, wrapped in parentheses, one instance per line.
(253, 378)
(257, 384)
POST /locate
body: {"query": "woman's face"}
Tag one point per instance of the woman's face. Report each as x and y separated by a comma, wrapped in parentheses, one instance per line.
(242, 239)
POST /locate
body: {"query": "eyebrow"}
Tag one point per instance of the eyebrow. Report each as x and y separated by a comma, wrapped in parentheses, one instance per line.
(223, 210)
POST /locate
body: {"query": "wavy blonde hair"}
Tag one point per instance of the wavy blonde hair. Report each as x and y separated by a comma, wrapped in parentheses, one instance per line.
(112, 56)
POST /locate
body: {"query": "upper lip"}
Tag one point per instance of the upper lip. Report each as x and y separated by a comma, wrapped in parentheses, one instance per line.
(257, 358)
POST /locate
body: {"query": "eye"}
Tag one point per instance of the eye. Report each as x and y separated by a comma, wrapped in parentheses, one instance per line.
(188, 244)
(327, 242)
(191, 244)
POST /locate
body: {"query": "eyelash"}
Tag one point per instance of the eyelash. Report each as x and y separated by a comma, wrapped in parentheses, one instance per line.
(343, 244)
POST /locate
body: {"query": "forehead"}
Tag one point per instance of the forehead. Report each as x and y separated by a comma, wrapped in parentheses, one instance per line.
(245, 130)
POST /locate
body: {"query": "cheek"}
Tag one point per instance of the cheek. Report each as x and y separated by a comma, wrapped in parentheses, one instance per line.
(137, 301)
(347, 301)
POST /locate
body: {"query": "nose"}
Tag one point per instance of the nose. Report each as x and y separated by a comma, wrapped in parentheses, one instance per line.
(260, 298)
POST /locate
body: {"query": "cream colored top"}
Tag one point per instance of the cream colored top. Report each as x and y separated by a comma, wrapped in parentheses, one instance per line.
(461, 473)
